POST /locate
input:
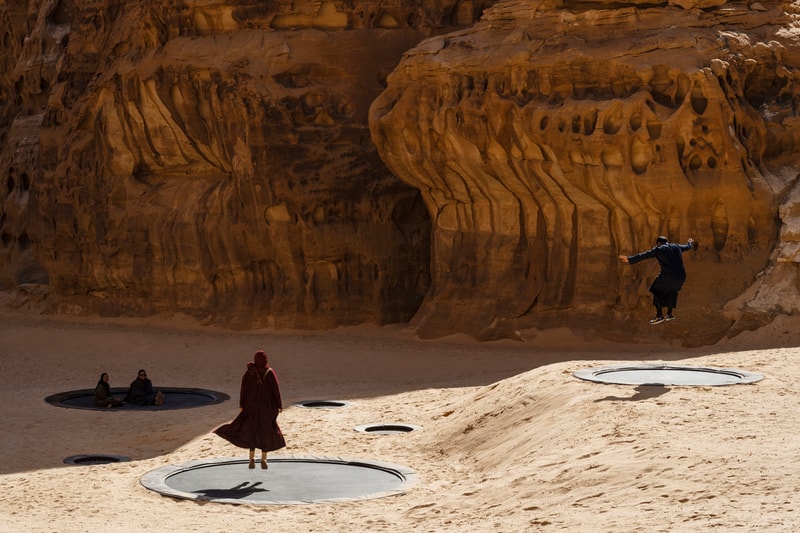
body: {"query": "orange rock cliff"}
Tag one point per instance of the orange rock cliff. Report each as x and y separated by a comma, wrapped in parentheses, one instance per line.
(467, 167)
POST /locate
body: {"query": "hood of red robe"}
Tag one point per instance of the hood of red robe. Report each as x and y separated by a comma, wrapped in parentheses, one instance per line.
(259, 363)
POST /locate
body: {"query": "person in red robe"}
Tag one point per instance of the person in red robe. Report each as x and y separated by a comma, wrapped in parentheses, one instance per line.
(256, 426)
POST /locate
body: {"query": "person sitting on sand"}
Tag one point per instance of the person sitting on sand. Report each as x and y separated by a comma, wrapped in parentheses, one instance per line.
(141, 391)
(102, 394)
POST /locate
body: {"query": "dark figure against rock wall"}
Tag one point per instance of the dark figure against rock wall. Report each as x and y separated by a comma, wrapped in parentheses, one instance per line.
(670, 280)
(256, 426)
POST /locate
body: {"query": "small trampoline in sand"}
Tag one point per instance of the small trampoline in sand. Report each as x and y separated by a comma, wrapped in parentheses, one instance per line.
(288, 480)
(322, 404)
(663, 375)
(174, 398)
(95, 459)
(387, 429)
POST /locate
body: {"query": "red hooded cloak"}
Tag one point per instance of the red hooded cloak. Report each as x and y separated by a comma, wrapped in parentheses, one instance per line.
(256, 426)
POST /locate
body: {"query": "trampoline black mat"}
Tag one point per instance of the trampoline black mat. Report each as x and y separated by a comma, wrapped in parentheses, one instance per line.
(289, 480)
(387, 429)
(95, 459)
(322, 404)
(174, 398)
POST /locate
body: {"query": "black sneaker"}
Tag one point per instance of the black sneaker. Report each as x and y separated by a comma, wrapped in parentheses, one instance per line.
(658, 320)
(668, 318)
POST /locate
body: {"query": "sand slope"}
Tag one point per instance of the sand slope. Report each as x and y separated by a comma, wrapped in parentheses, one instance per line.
(511, 441)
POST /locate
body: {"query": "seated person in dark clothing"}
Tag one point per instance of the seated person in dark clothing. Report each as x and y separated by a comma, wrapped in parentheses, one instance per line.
(141, 391)
(102, 394)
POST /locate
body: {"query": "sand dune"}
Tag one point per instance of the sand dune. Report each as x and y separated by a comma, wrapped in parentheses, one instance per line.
(510, 440)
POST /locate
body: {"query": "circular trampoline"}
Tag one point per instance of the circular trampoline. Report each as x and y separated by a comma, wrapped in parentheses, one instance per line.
(386, 429)
(174, 398)
(667, 375)
(288, 480)
(321, 404)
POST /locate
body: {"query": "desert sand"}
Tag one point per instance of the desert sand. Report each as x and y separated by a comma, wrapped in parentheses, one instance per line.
(510, 441)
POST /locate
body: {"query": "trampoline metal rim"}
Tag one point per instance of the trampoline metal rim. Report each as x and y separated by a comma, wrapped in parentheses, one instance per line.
(746, 377)
(361, 464)
(339, 404)
(157, 478)
(58, 398)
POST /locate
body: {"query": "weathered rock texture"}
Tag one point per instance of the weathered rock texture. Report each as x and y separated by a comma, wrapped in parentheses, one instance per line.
(549, 138)
(209, 157)
(215, 158)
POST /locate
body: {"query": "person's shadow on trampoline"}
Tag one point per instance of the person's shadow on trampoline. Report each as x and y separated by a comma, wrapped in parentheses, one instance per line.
(242, 490)
(643, 392)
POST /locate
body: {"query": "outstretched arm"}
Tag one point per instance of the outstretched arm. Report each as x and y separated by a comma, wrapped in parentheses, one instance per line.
(641, 256)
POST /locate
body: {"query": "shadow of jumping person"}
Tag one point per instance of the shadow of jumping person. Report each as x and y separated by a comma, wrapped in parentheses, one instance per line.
(242, 490)
(643, 392)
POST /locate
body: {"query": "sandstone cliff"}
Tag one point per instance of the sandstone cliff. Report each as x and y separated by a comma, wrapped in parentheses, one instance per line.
(209, 157)
(221, 159)
(554, 137)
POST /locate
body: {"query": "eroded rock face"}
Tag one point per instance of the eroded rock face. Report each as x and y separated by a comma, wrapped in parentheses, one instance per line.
(548, 139)
(215, 158)
(210, 157)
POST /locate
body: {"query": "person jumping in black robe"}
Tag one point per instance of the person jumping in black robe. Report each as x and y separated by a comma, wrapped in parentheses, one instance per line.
(671, 278)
